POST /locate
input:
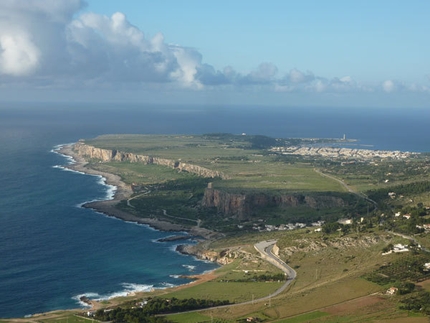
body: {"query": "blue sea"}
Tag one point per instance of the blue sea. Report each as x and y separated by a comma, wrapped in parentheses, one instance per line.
(52, 251)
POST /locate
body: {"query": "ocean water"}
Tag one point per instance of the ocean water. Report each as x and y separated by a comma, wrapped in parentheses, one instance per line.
(52, 251)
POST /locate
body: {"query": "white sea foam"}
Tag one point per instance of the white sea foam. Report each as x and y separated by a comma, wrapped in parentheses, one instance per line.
(128, 289)
(137, 287)
(66, 169)
(173, 248)
(77, 298)
(175, 276)
(189, 267)
(111, 189)
(56, 150)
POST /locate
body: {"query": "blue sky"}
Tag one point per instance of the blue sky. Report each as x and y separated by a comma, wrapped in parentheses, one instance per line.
(370, 40)
(325, 53)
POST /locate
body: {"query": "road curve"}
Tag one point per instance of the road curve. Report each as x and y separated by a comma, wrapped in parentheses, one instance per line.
(265, 250)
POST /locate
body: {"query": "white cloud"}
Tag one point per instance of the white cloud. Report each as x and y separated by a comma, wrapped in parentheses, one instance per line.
(59, 11)
(264, 74)
(389, 86)
(188, 60)
(41, 40)
(50, 43)
(29, 33)
(320, 85)
(296, 76)
(19, 56)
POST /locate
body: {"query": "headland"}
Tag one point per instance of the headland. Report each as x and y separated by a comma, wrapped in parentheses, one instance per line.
(123, 192)
(341, 258)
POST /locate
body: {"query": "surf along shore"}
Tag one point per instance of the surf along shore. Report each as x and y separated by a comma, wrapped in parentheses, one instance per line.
(124, 192)
(107, 207)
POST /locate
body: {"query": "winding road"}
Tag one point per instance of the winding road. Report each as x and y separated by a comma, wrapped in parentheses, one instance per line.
(265, 249)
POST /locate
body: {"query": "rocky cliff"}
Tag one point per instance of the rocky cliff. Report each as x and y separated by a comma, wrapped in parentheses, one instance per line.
(107, 155)
(243, 205)
(223, 257)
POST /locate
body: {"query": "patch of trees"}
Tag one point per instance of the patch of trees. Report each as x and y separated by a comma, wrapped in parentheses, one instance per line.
(128, 315)
(380, 279)
(419, 302)
(407, 268)
(155, 306)
(262, 278)
(331, 227)
(381, 195)
(220, 136)
(262, 142)
(233, 158)
(404, 287)
(410, 225)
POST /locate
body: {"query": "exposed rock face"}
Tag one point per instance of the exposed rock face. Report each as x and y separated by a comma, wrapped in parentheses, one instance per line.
(223, 257)
(106, 155)
(242, 206)
(236, 205)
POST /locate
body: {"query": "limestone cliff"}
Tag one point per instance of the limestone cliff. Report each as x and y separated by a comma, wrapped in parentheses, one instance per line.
(107, 155)
(243, 205)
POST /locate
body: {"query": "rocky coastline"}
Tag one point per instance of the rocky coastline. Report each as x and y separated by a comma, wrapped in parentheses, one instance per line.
(123, 192)
(107, 207)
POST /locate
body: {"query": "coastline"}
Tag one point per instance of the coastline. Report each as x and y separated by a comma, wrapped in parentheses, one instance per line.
(124, 192)
(107, 207)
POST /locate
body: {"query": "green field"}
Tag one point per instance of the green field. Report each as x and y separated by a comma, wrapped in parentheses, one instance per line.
(332, 268)
(248, 169)
(176, 196)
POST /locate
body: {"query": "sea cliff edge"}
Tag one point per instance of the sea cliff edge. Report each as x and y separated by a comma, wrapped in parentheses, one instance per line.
(123, 192)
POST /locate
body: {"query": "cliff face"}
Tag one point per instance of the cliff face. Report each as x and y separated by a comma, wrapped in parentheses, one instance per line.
(106, 155)
(236, 205)
(242, 206)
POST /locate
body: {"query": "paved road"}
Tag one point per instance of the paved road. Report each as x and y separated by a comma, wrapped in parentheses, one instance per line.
(265, 250)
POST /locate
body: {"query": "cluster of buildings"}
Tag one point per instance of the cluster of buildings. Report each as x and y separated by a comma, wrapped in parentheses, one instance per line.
(282, 227)
(397, 248)
(341, 153)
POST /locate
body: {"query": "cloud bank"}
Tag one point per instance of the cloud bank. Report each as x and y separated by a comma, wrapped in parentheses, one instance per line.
(52, 43)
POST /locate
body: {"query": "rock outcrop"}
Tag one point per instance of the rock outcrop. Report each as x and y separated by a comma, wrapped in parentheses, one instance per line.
(223, 257)
(243, 205)
(107, 155)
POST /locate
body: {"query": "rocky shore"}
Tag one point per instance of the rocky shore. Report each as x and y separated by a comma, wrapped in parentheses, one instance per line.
(123, 192)
(107, 207)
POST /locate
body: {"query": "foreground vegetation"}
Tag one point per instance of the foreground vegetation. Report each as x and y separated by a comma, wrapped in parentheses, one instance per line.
(332, 284)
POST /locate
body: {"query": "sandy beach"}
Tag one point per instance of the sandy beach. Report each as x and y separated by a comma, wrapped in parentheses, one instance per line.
(123, 192)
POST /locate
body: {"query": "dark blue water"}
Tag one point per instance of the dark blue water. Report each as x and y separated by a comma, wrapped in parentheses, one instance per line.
(52, 251)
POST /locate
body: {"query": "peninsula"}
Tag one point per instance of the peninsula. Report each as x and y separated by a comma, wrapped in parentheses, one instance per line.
(336, 216)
